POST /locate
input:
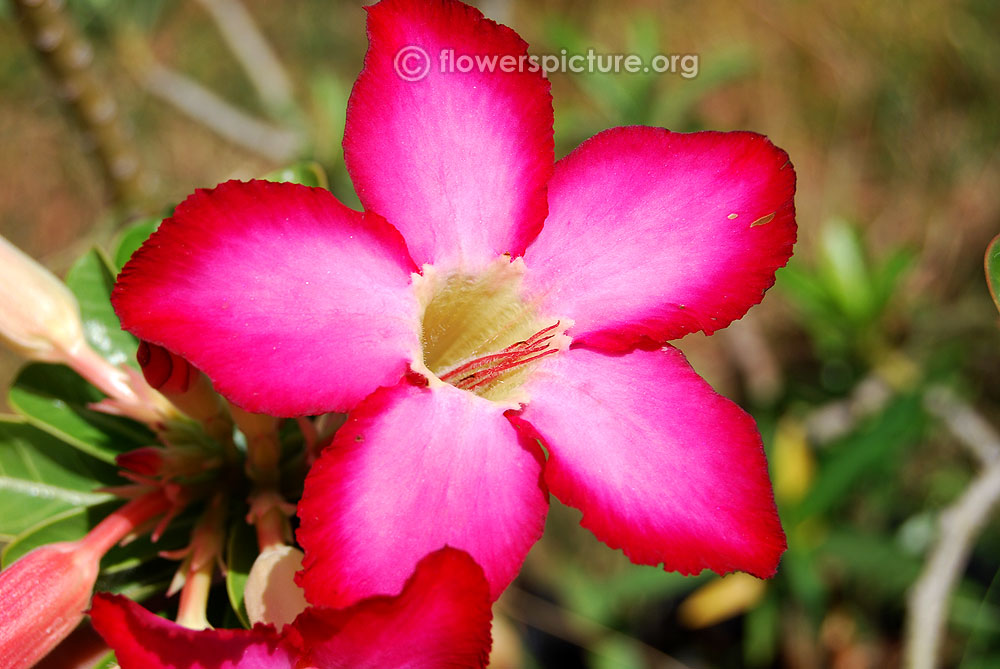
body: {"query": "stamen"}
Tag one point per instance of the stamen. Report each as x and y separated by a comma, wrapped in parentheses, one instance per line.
(510, 356)
(487, 369)
(487, 359)
(494, 373)
(479, 333)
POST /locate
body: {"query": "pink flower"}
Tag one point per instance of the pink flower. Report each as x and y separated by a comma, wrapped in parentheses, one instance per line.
(440, 619)
(487, 300)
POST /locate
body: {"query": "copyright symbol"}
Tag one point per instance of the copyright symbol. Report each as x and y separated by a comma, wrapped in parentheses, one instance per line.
(411, 63)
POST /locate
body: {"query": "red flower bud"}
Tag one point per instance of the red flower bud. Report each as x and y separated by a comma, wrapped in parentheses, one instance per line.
(44, 596)
(145, 461)
(163, 370)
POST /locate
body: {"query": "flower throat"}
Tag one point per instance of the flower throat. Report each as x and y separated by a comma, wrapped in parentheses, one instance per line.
(479, 334)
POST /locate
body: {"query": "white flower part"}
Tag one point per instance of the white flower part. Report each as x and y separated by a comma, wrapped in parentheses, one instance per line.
(39, 316)
(271, 595)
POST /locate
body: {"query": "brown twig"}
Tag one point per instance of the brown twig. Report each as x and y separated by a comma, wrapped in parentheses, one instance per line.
(69, 61)
(835, 419)
(958, 527)
(203, 106)
(252, 50)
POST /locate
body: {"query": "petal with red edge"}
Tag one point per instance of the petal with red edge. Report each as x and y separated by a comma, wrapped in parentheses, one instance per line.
(660, 465)
(653, 234)
(290, 302)
(440, 619)
(457, 161)
(143, 640)
(414, 469)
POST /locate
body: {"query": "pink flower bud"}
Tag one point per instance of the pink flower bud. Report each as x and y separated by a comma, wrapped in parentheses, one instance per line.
(43, 597)
(39, 317)
(40, 320)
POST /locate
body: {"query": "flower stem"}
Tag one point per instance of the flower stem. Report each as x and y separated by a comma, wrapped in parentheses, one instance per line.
(272, 528)
(191, 612)
(106, 377)
(204, 552)
(124, 521)
(115, 383)
(263, 446)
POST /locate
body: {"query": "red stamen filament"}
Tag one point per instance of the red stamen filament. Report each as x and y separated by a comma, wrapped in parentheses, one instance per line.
(488, 368)
(494, 372)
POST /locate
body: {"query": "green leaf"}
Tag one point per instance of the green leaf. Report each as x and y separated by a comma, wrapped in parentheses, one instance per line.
(870, 452)
(802, 574)
(109, 661)
(132, 238)
(807, 292)
(845, 269)
(875, 562)
(138, 580)
(41, 476)
(91, 279)
(133, 570)
(762, 626)
(889, 275)
(615, 652)
(307, 173)
(328, 94)
(980, 638)
(69, 525)
(241, 551)
(55, 399)
(992, 263)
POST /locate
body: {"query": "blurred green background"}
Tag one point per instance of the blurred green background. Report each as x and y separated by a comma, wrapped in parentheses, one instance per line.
(880, 329)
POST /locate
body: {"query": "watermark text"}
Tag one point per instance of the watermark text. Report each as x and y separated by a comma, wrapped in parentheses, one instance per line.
(413, 63)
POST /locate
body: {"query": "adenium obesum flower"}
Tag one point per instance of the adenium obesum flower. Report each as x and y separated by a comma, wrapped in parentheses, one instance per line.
(441, 618)
(487, 300)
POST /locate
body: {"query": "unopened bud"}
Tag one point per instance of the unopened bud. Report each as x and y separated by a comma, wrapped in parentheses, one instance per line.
(271, 594)
(167, 463)
(44, 594)
(40, 320)
(163, 370)
(186, 387)
(145, 461)
(39, 316)
(43, 597)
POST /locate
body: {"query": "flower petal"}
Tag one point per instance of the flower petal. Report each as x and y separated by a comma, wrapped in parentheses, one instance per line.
(457, 161)
(143, 640)
(289, 301)
(414, 469)
(660, 465)
(440, 619)
(653, 234)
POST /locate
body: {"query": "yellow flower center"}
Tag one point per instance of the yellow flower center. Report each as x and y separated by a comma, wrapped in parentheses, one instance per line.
(480, 334)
